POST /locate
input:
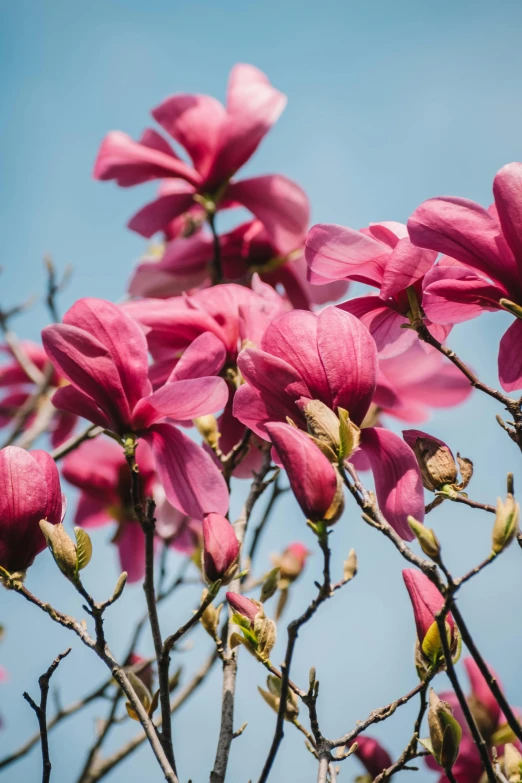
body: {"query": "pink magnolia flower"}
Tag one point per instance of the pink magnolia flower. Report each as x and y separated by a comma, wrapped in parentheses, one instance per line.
(103, 354)
(220, 548)
(312, 476)
(487, 246)
(29, 491)
(219, 142)
(486, 711)
(21, 387)
(186, 263)
(426, 601)
(381, 256)
(98, 468)
(416, 381)
(332, 358)
(244, 606)
(203, 333)
(371, 753)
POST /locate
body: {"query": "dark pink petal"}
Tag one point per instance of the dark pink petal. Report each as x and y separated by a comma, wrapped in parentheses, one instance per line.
(455, 294)
(312, 477)
(206, 355)
(293, 337)
(388, 231)
(405, 266)
(425, 598)
(62, 427)
(254, 410)
(131, 163)
(94, 467)
(195, 122)
(69, 399)
(340, 253)
(123, 338)
(280, 204)
(253, 106)
(257, 313)
(507, 189)
(156, 215)
(220, 546)
(89, 366)
(241, 605)
(398, 482)
(53, 508)
(481, 691)
(466, 231)
(191, 481)
(91, 512)
(130, 541)
(349, 356)
(371, 753)
(384, 324)
(510, 358)
(181, 400)
(184, 265)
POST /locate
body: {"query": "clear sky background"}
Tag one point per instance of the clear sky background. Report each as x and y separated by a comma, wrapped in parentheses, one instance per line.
(389, 104)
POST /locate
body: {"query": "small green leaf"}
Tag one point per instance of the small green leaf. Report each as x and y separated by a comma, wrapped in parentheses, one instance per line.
(83, 549)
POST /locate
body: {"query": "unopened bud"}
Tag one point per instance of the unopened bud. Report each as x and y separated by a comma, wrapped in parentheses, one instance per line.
(265, 631)
(436, 462)
(427, 539)
(64, 550)
(445, 732)
(322, 423)
(350, 566)
(291, 563)
(208, 429)
(270, 585)
(210, 619)
(220, 549)
(273, 698)
(512, 764)
(506, 523)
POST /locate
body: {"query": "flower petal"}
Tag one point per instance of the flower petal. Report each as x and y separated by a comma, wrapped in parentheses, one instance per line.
(206, 355)
(507, 189)
(181, 400)
(405, 266)
(156, 215)
(130, 541)
(340, 253)
(384, 324)
(510, 358)
(398, 482)
(68, 398)
(455, 294)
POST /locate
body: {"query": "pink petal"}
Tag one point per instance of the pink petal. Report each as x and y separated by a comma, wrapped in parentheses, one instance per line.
(455, 294)
(253, 106)
(349, 356)
(311, 475)
(195, 122)
(293, 337)
(89, 366)
(220, 546)
(131, 163)
(405, 266)
(191, 481)
(425, 598)
(181, 400)
(398, 482)
(92, 512)
(123, 338)
(69, 399)
(131, 548)
(253, 409)
(62, 428)
(206, 355)
(280, 204)
(480, 689)
(384, 324)
(94, 467)
(53, 508)
(466, 231)
(340, 253)
(156, 215)
(510, 358)
(371, 753)
(507, 189)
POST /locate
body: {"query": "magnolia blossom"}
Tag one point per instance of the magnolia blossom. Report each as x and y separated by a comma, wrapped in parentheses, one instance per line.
(219, 142)
(186, 263)
(242, 605)
(420, 379)
(103, 354)
(487, 247)
(220, 548)
(202, 334)
(332, 358)
(426, 601)
(381, 256)
(371, 754)
(98, 468)
(29, 492)
(20, 388)
(491, 722)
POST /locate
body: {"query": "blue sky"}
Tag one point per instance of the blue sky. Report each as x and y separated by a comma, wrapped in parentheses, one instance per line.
(389, 104)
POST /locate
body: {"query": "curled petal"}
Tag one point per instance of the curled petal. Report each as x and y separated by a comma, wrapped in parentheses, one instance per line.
(340, 253)
(510, 358)
(181, 400)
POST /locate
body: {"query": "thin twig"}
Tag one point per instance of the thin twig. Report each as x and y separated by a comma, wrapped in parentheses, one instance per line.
(41, 712)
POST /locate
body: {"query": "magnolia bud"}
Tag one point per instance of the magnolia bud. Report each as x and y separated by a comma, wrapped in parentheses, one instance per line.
(350, 566)
(445, 732)
(322, 423)
(220, 549)
(243, 606)
(506, 523)
(436, 462)
(69, 557)
(273, 698)
(512, 764)
(427, 539)
(270, 585)
(291, 563)
(427, 601)
(265, 631)
(210, 619)
(208, 429)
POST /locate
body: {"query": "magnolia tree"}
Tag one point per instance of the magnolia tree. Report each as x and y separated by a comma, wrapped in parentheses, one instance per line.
(226, 365)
